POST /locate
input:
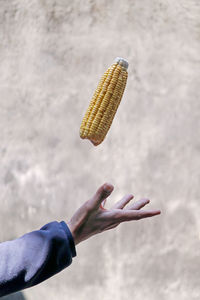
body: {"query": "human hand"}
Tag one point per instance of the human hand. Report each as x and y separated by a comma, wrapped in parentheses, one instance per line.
(92, 218)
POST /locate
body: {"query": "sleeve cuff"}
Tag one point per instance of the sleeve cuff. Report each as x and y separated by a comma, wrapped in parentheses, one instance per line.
(70, 237)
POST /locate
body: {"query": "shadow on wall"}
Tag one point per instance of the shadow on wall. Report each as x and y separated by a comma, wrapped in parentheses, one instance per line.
(15, 296)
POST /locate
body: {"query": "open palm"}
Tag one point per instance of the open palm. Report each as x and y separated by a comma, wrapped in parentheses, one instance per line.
(92, 217)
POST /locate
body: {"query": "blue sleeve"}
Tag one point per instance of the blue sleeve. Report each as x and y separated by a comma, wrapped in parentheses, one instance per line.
(35, 256)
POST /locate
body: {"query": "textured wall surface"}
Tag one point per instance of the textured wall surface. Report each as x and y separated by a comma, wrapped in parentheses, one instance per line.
(52, 54)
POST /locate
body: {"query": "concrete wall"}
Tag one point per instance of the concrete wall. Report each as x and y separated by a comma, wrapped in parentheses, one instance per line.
(52, 54)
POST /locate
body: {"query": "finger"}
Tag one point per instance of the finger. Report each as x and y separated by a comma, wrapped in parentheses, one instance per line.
(138, 204)
(122, 203)
(102, 205)
(102, 193)
(129, 215)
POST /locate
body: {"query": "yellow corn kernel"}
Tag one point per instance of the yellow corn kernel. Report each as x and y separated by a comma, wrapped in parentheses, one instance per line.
(104, 103)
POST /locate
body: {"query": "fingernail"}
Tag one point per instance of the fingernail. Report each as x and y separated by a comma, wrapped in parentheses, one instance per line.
(108, 188)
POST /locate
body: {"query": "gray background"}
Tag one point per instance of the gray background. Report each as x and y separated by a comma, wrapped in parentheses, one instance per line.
(52, 54)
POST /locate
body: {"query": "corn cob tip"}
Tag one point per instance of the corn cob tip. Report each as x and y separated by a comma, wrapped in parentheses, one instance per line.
(121, 61)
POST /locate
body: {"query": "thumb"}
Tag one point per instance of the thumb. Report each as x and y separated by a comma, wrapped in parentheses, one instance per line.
(101, 194)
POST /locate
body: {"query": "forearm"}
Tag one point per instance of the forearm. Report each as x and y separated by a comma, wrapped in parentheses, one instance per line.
(34, 257)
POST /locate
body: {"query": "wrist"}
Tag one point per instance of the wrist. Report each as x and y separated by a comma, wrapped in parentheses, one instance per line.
(70, 237)
(72, 232)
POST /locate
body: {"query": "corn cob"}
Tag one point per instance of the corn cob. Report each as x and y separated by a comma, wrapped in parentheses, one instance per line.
(104, 103)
